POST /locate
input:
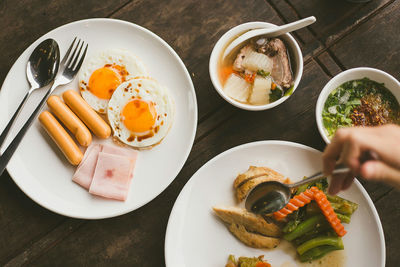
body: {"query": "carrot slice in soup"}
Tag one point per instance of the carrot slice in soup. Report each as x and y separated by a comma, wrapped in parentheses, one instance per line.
(225, 72)
(250, 77)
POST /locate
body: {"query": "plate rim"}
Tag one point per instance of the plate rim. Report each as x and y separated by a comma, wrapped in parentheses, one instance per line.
(174, 211)
(68, 212)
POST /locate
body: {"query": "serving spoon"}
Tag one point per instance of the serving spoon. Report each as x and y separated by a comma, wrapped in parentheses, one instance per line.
(269, 32)
(41, 69)
(272, 196)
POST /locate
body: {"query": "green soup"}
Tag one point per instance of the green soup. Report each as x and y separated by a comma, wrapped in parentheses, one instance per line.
(359, 103)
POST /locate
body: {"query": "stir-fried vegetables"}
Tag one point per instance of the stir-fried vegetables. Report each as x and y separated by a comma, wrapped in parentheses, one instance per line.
(316, 228)
(304, 198)
(315, 249)
(305, 227)
(327, 210)
(247, 262)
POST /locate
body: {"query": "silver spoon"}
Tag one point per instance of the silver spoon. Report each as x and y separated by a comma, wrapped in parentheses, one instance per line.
(272, 196)
(41, 69)
(69, 67)
(269, 32)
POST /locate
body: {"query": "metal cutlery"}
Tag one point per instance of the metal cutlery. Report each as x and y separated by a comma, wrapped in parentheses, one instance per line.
(68, 68)
(41, 69)
(272, 196)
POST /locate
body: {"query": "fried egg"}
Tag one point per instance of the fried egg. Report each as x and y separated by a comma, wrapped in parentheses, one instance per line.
(102, 73)
(140, 113)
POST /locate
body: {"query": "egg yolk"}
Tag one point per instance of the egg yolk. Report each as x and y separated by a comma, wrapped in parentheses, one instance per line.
(139, 116)
(104, 81)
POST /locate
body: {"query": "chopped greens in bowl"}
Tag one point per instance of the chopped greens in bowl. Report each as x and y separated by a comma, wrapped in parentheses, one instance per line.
(361, 102)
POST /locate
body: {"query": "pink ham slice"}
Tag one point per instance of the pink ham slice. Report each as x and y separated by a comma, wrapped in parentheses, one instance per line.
(123, 152)
(112, 176)
(85, 171)
(130, 153)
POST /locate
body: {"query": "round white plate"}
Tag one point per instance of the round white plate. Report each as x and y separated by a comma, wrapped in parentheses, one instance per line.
(39, 168)
(196, 237)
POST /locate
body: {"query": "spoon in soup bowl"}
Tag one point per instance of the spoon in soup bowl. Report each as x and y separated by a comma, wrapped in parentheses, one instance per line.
(269, 32)
(272, 196)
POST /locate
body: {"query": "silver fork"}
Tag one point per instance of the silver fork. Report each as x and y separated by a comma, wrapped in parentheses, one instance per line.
(69, 67)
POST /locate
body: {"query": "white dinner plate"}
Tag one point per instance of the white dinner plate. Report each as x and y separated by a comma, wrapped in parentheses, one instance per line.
(196, 237)
(40, 169)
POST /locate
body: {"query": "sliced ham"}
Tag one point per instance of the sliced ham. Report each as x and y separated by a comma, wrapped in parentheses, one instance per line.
(112, 157)
(112, 176)
(85, 171)
(130, 153)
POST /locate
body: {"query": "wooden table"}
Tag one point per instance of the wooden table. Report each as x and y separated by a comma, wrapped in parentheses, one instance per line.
(345, 35)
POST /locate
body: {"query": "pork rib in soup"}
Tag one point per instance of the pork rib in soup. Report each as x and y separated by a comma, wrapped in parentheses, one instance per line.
(259, 73)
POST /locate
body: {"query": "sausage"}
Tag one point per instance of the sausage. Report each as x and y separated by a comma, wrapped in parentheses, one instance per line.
(82, 109)
(61, 138)
(70, 120)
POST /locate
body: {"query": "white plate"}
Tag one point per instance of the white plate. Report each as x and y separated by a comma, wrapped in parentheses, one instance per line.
(42, 172)
(195, 237)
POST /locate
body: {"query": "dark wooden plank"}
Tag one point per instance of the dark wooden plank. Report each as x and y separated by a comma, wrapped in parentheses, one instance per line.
(51, 238)
(25, 21)
(22, 221)
(389, 212)
(335, 18)
(134, 239)
(373, 44)
(217, 118)
(192, 28)
(375, 190)
(307, 41)
(330, 66)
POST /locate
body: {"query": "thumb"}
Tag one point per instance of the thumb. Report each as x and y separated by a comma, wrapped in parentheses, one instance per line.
(379, 171)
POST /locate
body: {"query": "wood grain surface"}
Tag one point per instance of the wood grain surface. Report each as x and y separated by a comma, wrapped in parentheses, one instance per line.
(345, 35)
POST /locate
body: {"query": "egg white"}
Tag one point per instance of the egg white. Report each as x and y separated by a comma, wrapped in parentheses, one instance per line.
(134, 66)
(148, 90)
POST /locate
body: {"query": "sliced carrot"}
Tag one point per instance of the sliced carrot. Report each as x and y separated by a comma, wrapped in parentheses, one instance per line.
(225, 72)
(263, 264)
(273, 86)
(294, 204)
(323, 203)
(328, 211)
(250, 77)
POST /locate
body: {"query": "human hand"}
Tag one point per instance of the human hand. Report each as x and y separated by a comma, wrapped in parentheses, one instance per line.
(349, 145)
